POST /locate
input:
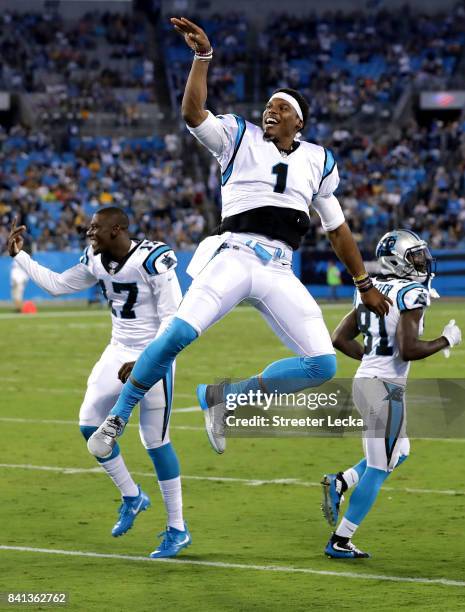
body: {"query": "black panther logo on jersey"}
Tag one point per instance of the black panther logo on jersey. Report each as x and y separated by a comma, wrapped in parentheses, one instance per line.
(168, 261)
(160, 259)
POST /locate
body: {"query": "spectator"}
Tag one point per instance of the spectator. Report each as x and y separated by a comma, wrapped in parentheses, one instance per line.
(333, 279)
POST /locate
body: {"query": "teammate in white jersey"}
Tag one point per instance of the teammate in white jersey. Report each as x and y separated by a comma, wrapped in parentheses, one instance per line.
(390, 343)
(269, 181)
(140, 284)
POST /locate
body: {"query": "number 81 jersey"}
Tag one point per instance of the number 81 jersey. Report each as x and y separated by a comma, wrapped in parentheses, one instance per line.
(381, 357)
(142, 290)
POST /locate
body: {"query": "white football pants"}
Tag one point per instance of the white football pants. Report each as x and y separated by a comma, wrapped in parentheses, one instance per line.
(104, 387)
(236, 274)
(385, 419)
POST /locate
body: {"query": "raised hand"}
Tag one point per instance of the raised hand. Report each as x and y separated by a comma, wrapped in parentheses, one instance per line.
(15, 238)
(194, 36)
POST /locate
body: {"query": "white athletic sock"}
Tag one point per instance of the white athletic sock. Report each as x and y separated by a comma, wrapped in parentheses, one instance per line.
(346, 529)
(172, 496)
(118, 472)
(351, 477)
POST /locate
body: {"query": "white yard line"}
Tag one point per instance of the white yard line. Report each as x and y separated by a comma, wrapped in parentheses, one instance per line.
(243, 566)
(251, 482)
(21, 381)
(47, 390)
(188, 409)
(64, 314)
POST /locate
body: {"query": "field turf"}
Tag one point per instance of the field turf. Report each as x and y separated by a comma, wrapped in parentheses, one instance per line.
(257, 545)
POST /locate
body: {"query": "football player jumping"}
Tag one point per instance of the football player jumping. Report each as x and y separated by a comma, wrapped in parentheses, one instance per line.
(390, 342)
(270, 179)
(139, 282)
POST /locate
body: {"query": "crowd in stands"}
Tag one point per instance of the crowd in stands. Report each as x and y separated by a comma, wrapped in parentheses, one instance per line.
(227, 74)
(360, 65)
(98, 63)
(55, 194)
(415, 178)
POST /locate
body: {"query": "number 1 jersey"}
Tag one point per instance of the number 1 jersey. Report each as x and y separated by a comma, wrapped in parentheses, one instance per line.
(381, 357)
(255, 174)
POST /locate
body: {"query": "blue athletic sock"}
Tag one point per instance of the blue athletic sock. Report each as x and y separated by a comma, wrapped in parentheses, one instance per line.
(288, 375)
(165, 461)
(87, 431)
(242, 386)
(152, 365)
(360, 468)
(365, 494)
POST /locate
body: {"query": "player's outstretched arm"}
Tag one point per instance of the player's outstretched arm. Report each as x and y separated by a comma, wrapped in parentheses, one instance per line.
(412, 348)
(195, 92)
(346, 249)
(72, 280)
(343, 337)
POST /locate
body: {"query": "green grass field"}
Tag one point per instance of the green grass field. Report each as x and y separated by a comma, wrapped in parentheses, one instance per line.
(257, 545)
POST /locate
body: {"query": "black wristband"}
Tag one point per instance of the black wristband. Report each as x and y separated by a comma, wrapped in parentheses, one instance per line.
(366, 286)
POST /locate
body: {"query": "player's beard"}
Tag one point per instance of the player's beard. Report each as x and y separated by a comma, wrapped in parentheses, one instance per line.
(270, 138)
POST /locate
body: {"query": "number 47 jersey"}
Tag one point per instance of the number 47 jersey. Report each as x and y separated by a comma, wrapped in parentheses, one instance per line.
(142, 290)
(381, 357)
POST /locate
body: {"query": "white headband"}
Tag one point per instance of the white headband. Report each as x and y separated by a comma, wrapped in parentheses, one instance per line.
(291, 100)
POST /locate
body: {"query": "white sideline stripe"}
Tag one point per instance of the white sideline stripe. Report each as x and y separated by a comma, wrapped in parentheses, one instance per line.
(245, 481)
(245, 566)
(63, 314)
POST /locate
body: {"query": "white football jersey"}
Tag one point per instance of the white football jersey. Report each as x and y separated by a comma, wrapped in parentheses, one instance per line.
(381, 358)
(142, 290)
(255, 174)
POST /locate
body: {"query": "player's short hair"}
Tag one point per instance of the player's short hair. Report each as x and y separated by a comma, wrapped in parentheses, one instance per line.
(117, 215)
(298, 97)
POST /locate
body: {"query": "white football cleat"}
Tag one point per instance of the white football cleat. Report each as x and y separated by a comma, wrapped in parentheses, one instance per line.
(214, 409)
(103, 440)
